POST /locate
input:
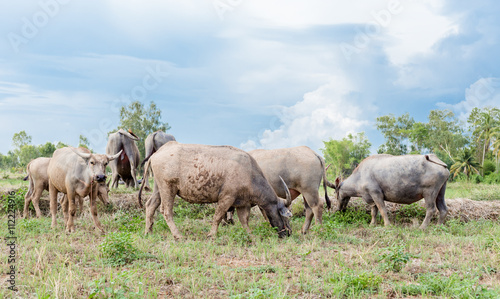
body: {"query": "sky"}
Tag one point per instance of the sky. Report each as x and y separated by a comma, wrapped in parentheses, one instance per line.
(252, 74)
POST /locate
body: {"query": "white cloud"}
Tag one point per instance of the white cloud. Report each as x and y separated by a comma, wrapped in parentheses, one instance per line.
(485, 92)
(327, 112)
(416, 30)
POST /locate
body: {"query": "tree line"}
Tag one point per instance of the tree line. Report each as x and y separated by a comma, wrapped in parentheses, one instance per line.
(135, 116)
(470, 148)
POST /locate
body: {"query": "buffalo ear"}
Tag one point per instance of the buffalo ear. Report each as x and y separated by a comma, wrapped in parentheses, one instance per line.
(285, 212)
(338, 180)
(282, 209)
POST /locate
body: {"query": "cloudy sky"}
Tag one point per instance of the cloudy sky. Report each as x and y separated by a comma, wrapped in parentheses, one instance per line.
(248, 73)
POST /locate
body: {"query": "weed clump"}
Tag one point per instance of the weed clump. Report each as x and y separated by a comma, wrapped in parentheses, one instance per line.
(395, 258)
(17, 197)
(117, 249)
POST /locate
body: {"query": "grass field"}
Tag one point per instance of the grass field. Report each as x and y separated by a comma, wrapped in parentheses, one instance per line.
(344, 258)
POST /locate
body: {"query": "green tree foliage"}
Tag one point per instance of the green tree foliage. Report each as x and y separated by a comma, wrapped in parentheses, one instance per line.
(465, 163)
(47, 149)
(443, 134)
(8, 161)
(142, 121)
(24, 151)
(484, 124)
(20, 139)
(344, 155)
(83, 142)
(396, 133)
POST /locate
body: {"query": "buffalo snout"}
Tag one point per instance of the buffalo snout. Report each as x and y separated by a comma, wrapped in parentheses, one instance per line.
(100, 178)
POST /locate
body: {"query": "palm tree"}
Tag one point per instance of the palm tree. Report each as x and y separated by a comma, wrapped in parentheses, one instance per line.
(496, 144)
(484, 124)
(465, 163)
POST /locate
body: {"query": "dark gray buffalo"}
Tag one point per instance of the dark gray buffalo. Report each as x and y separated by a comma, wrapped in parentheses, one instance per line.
(152, 143)
(208, 174)
(125, 167)
(302, 170)
(398, 179)
(77, 175)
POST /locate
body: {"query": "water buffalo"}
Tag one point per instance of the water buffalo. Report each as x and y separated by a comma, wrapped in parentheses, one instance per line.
(208, 174)
(39, 181)
(126, 166)
(153, 142)
(302, 170)
(398, 179)
(77, 175)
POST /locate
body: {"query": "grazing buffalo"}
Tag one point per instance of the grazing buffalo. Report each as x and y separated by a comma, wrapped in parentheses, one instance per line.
(77, 175)
(39, 181)
(153, 142)
(398, 179)
(125, 167)
(302, 170)
(208, 174)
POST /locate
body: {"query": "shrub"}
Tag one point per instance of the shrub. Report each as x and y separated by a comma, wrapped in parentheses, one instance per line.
(17, 197)
(488, 167)
(351, 215)
(117, 249)
(395, 258)
(492, 178)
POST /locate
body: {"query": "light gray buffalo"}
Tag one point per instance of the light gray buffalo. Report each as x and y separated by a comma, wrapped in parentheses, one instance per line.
(77, 175)
(398, 179)
(125, 167)
(39, 181)
(208, 174)
(152, 143)
(302, 170)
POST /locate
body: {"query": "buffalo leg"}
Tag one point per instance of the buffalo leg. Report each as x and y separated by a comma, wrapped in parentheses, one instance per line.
(114, 180)
(151, 205)
(314, 207)
(430, 206)
(93, 209)
(146, 177)
(64, 208)
(221, 210)
(374, 215)
(53, 204)
(243, 215)
(35, 198)
(80, 205)
(70, 225)
(309, 216)
(441, 205)
(134, 175)
(167, 195)
(378, 199)
(229, 216)
(27, 200)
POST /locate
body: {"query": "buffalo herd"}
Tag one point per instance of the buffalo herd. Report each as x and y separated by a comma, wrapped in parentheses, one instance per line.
(234, 179)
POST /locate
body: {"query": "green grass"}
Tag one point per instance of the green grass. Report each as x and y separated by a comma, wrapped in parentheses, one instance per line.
(344, 258)
(473, 191)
